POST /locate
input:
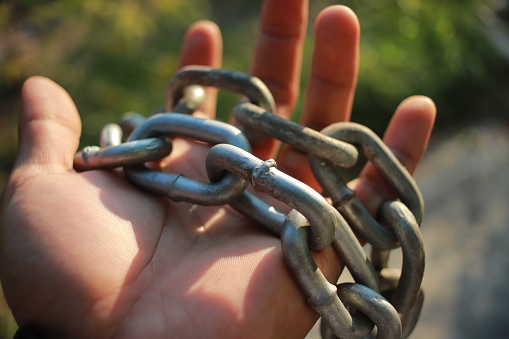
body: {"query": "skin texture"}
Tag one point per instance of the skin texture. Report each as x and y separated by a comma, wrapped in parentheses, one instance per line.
(87, 255)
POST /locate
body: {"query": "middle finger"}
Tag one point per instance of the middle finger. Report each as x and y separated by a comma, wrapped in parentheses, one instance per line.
(278, 55)
(331, 86)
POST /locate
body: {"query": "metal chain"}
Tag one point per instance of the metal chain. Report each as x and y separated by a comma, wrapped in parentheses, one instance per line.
(348, 310)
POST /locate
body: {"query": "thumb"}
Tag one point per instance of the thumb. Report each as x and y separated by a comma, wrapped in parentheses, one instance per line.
(49, 127)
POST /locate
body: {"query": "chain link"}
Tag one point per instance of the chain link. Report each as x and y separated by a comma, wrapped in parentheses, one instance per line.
(349, 310)
(237, 82)
(344, 199)
(121, 155)
(178, 187)
(301, 138)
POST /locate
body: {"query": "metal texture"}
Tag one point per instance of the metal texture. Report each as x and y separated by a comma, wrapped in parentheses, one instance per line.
(401, 220)
(233, 81)
(344, 199)
(260, 212)
(126, 154)
(374, 306)
(300, 137)
(350, 310)
(327, 225)
(409, 320)
(322, 296)
(129, 122)
(193, 97)
(178, 187)
(402, 287)
(111, 135)
(266, 178)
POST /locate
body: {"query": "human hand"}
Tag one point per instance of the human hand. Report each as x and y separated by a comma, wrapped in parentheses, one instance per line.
(87, 255)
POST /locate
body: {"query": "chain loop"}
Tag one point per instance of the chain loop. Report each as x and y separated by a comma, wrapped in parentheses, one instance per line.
(322, 296)
(266, 178)
(344, 199)
(402, 287)
(401, 220)
(374, 306)
(322, 217)
(178, 187)
(313, 223)
(233, 81)
(301, 138)
(126, 154)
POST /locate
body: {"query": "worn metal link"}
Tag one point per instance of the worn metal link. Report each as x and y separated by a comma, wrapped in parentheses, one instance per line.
(402, 287)
(178, 187)
(327, 225)
(233, 81)
(401, 220)
(344, 199)
(355, 310)
(125, 154)
(300, 137)
(389, 279)
(265, 177)
(323, 297)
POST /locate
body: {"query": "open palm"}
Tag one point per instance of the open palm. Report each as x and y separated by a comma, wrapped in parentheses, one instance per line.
(87, 255)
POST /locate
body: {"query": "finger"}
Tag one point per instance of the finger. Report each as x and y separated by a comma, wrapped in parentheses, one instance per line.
(278, 51)
(407, 136)
(203, 45)
(49, 127)
(331, 86)
(278, 58)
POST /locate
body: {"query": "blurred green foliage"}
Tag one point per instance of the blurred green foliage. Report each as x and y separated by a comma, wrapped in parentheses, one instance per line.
(117, 56)
(435, 48)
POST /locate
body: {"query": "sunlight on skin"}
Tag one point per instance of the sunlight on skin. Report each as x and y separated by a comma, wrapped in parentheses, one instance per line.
(216, 218)
(237, 284)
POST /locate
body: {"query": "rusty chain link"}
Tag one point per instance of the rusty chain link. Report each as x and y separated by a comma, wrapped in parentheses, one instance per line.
(383, 302)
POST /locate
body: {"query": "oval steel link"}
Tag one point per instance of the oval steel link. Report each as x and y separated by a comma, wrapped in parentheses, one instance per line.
(350, 310)
(260, 212)
(344, 244)
(327, 225)
(389, 279)
(401, 220)
(409, 319)
(323, 297)
(300, 137)
(267, 179)
(233, 81)
(125, 154)
(374, 306)
(178, 187)
(345, 200)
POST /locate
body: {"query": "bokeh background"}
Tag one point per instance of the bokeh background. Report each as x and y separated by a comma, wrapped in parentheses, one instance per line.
(117, 56)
